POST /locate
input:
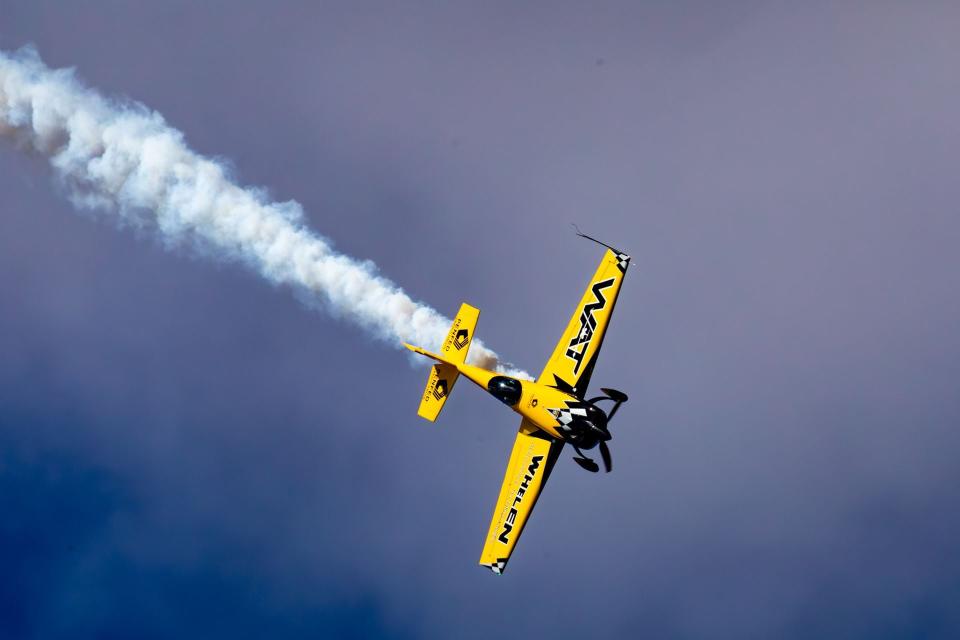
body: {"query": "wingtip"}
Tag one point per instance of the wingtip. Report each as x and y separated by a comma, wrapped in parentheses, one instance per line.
(496, 567)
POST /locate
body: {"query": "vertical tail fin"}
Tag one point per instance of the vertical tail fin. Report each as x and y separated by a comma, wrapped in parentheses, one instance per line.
(453, 352)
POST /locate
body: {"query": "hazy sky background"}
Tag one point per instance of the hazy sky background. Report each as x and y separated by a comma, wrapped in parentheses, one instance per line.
(186, 451)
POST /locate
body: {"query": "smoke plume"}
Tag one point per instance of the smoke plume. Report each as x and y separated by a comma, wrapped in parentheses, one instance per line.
(125, 160)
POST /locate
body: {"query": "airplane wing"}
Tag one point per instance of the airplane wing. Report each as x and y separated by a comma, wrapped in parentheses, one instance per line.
(573, 359)
(534, 454)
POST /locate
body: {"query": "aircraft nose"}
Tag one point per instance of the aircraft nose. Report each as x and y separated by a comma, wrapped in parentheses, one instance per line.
(597, 416)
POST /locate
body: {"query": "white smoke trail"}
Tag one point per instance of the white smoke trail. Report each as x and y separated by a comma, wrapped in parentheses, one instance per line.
(125, 160)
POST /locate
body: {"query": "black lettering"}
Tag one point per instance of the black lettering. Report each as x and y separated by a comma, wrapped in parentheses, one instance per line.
(588, 324)
(504, 536)
(534, 464)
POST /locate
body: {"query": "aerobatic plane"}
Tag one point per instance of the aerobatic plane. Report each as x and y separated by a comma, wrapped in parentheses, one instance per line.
(554, 409)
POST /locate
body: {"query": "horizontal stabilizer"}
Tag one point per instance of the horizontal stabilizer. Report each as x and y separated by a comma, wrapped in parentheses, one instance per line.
(453, 353)
(439, 385)
(457, 344)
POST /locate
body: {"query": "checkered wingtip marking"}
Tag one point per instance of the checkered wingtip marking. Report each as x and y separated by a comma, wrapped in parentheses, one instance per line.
(498, 566)
(622, 261)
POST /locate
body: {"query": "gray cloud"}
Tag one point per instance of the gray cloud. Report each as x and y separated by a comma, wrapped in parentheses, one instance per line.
(783, 176)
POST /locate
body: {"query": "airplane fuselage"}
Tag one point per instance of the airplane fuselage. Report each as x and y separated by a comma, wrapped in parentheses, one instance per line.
(556, 412)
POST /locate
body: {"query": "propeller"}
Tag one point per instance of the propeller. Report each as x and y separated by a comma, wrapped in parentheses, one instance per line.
(605, 454)
(590, 465)
(619, 397)
(613, 394)
(586, 462)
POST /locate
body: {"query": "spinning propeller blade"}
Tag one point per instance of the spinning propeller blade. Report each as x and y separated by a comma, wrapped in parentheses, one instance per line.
(613, 411)
(613, 394)
(605, 454)
(587, 464)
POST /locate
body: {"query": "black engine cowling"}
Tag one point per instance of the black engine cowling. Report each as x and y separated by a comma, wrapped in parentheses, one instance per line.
(586, 427)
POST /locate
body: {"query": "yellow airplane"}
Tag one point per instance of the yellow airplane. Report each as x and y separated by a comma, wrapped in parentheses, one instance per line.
(553, 408)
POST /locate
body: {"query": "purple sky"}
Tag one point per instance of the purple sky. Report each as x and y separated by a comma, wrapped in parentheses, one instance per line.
(187, 451)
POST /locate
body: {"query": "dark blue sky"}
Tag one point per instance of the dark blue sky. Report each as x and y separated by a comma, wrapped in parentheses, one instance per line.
(187, 451)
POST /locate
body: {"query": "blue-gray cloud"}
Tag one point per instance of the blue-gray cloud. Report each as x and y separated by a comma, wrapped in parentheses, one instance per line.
(784, 177)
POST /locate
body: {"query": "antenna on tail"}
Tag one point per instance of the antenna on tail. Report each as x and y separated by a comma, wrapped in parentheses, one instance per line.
(583, 235)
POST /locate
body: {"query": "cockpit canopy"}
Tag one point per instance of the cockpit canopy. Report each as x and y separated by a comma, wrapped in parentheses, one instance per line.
(506, 390)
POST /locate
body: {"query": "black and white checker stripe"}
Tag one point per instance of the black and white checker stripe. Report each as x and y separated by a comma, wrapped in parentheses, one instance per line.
(568, 415)
(498, 566)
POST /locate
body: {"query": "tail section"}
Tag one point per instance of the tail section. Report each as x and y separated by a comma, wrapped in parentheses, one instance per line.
(458, 341)
(439, 385)
(453, 352)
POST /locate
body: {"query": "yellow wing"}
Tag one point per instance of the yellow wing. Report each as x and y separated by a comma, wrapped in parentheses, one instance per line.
(573, 359)
(534, 454)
